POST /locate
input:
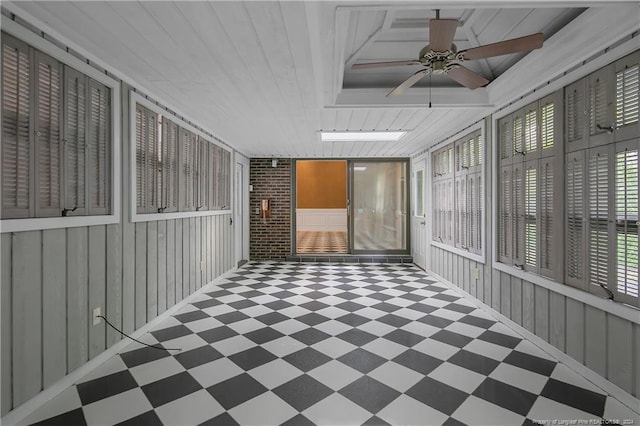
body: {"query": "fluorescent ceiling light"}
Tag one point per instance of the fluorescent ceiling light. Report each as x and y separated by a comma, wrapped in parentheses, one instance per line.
(361, 136)
(359, 168)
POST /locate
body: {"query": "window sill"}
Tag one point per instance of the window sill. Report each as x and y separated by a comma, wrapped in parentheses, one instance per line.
(619, 309)
(37, 224)
(151, 217)
(473, 256)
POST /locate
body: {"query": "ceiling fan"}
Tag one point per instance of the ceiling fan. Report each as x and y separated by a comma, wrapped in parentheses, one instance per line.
(441, 56)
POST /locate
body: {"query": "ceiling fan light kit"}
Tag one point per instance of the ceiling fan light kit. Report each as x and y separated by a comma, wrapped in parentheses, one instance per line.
(441, 56)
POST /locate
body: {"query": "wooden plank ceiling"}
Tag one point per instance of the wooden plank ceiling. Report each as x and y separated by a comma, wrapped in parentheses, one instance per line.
(266, 77)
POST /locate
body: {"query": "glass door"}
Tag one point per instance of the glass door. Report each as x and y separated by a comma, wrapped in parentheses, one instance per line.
(378, 206)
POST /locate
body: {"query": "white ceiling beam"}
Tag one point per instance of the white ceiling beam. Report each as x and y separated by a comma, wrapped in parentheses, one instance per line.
(416, 97)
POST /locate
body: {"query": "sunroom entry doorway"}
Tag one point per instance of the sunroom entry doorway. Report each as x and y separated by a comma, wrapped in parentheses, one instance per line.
(321, 207)
(351, 207)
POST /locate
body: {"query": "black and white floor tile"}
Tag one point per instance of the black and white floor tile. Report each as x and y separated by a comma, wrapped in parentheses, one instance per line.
(321, 242)
(331, 344)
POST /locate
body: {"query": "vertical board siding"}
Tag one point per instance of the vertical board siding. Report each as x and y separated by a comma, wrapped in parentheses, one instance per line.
(128, 277)
(54, 317)
(27, 315)
(505, 295)
(620, 352)
(596, 340)
(171, 263)
(152, 270)
(77, 298)
(575, 323)
(186, 252)
(140, 305)
(5, 322)
(528, 306)
(542, 312)
(97, 287)
(516, 300)
(557, 320)
(114, 283)
(179, 263)
(162, 266)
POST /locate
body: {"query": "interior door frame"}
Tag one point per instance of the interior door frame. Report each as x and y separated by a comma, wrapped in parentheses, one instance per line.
(421, 163)
(241, 208)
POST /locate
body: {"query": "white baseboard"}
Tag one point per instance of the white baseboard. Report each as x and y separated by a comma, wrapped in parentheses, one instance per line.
(615, 391)
(22, 411)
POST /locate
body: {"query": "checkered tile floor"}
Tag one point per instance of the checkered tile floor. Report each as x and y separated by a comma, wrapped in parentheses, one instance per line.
(321, 242)
(333, 344)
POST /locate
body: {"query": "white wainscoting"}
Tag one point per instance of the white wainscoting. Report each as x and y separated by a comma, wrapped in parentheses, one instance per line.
(321, 219)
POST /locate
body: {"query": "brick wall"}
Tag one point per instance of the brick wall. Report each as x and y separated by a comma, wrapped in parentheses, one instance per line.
(270, 240)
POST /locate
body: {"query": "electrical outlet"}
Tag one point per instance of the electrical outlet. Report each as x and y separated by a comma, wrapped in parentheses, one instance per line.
(96, 316)
(477, 274)
(202, 265)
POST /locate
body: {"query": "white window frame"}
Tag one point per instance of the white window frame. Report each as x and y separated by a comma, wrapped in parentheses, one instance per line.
(480, 258)
(135, 98)
(31, 224)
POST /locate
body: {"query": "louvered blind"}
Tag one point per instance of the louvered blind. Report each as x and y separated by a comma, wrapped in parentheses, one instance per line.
(480, 149)
(99, 149)
(598, 215)
(598, 103)
(472, 210)
(626, 214)
(575, 113)
(505, 138)
(479, 214)
(518, 141)
(448, 196)
(17, 147)
(518, 216)
(575, 216)
(627, 95)
(169, 166)
(187, 170)
(547, 239)
(47, 137)
(531, 131)
(531, 231)
(547, 128)
(75, 142)
(506, 214)
(141, 158)
(153, 165)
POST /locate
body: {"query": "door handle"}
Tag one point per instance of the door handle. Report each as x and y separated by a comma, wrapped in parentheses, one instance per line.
(423, 223)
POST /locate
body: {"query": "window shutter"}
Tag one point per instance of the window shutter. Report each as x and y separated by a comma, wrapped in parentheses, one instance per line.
(99, 149)
(227, 179)
(575, 253)
(547, 127)
(213, 201)
(626, 215)
(505, 138)
(531, 131)
(479, 213)
(598, 211)
(517, 242)
(75, 170)
(548, 241)
(471, 209)
(170, 165)
(505, 230)
(627, 113)
(204, 174)
(531, 216)
(187, 172)
(17, 149)
(153, 165)
(480, 149)
(47, 136)
(575, 115)
(142, 130)
(600, 111)
(518, 135)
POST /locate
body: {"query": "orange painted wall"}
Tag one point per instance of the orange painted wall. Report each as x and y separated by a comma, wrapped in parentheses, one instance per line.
(321, 184)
